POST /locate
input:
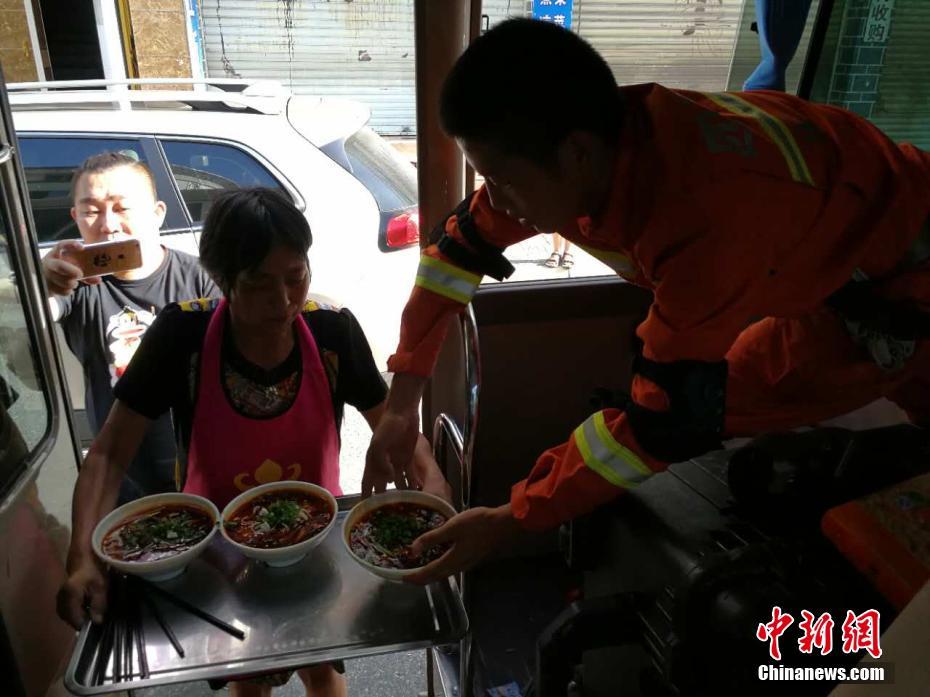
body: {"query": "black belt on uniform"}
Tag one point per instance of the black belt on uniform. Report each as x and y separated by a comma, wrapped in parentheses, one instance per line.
(858, 302)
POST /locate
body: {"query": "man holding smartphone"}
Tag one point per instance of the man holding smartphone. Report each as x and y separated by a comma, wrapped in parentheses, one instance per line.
(104, 317)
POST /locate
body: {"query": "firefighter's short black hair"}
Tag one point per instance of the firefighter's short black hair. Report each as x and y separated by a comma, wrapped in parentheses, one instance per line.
(525, 85)
(242, 227)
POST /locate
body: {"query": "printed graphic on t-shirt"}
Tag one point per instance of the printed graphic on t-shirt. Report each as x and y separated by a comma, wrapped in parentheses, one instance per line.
(260, 401)
(124, 334)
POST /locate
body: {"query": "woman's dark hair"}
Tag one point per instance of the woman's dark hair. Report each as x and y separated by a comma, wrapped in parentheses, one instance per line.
(525, 85)
(243, 226)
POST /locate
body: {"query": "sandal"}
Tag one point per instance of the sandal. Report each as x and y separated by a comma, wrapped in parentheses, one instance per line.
(568, 261)
(554, 260)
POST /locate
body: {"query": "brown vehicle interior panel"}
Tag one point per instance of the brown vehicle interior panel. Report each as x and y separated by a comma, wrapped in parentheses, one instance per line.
(448, 395)
(544, 348)
(447, 390)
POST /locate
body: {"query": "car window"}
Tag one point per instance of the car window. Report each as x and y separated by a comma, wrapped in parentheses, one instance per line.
(383, 171)
(204, 170)
(49, 163)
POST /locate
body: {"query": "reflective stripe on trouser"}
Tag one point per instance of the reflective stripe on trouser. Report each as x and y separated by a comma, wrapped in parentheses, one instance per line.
(620, 263)
(774, 128)
(618, 465)
(447, 280)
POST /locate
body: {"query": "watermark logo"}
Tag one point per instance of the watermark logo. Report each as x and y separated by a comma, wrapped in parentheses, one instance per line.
(772, 631)
(859, 632)
(817, 633)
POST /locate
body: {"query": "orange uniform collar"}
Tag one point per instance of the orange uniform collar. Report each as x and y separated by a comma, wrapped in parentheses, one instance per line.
(621, 211)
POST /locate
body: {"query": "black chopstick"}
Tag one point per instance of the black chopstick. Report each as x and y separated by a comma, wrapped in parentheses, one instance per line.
(140, 641)
(117, 650)
(127, 631)
(103, 653)
(183, 604)
(156, 613)
(117, 641)
(120, 608)
(129, 646)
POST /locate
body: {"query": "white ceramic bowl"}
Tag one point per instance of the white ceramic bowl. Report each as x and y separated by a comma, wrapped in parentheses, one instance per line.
(160, 569)
(280, 556)
(395, 496)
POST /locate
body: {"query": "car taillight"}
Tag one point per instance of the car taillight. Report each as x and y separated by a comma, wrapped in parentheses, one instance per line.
(403, 230)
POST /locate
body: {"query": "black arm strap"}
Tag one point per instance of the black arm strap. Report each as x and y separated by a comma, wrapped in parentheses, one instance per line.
(439, 231)
(693, 424)
(900, 319)
(483, 258)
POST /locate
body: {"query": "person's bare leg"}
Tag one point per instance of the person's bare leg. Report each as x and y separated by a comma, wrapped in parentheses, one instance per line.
(323, 681)
(568, 259)
(555, 258)
(247, 689)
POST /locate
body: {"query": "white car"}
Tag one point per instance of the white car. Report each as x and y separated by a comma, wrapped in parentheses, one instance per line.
(358, 194)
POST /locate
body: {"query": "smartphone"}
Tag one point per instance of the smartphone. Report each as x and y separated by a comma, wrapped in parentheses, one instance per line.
(102, 258)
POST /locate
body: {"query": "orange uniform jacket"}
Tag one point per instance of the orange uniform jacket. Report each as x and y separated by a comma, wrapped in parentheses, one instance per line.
(729, 207)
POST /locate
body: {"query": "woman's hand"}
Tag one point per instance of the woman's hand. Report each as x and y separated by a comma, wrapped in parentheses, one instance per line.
(396, 428)
(95, 495)
(475, 535)
(428, 473)
(83, 594)
(390, 454)
(436, 485)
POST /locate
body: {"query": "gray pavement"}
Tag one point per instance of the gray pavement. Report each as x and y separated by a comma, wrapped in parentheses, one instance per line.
(529, 259)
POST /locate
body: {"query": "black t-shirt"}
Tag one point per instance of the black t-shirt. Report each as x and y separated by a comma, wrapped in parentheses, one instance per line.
(103, 325)
(164, 373)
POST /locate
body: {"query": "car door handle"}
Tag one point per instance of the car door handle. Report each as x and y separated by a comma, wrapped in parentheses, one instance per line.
(6, 152)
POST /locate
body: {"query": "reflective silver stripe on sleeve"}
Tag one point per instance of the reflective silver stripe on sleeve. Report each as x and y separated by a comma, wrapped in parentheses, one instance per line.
(617, 464)
(447, 280)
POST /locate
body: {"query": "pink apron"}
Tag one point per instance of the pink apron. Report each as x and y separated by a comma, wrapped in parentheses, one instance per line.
(231, 453)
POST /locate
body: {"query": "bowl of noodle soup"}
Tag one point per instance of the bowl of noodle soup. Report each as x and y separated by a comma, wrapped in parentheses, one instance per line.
(280, 522)
(378, 532)
(156, 536)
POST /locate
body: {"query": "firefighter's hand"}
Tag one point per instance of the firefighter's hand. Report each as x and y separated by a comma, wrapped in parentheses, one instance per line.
(390, 454)
(61, 275)
(83, 594)
(475, 535)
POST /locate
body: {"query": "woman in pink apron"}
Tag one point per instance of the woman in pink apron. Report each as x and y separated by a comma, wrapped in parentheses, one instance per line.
(253, 382)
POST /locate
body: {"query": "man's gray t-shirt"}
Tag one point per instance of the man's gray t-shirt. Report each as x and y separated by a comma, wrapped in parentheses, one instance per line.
(103, 325)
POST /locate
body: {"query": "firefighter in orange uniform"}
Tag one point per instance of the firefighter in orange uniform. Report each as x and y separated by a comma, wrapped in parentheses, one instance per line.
(785, 244)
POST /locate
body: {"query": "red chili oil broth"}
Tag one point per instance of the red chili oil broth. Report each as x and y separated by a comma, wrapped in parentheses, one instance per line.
(390, 548)
(250, 526)
(157, 533)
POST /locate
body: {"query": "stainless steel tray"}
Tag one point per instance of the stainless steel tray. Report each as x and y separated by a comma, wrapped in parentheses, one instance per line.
(325, 607)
